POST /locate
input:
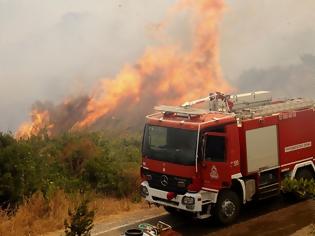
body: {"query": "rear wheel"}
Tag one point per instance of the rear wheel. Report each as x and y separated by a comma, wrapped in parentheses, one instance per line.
(227, 208)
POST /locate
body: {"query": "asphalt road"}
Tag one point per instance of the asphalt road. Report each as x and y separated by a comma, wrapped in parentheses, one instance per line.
(270, 217)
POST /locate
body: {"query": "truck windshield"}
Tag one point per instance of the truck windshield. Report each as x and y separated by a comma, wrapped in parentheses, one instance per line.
(170, 144)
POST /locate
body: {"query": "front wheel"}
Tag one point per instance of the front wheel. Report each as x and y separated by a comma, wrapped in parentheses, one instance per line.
(227, 208)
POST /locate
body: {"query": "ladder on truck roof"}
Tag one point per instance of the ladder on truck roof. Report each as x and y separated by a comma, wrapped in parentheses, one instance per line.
(221, 102)
(285, 106)
(244, 106)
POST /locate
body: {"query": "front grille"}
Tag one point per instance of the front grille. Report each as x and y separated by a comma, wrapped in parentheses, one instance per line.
(174, 183)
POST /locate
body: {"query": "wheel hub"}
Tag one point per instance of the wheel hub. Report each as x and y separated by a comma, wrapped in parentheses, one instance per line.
(228, 208)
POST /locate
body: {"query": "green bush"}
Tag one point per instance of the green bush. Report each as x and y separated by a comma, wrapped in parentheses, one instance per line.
(108, 177)
(103, 175)
(20, 170)
(71, 161)
(302, 187)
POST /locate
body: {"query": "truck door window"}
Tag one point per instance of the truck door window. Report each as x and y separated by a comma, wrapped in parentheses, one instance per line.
(215, 148)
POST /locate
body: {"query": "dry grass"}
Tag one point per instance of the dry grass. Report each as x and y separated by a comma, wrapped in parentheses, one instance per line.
(38, 216)
(106, 207)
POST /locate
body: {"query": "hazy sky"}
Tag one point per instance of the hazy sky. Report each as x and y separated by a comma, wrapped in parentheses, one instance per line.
(49, 49)
(264, 33)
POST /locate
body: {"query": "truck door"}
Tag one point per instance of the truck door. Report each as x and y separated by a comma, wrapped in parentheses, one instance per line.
(218, 163)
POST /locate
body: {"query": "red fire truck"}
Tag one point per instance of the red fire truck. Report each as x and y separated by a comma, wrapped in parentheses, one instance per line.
(210, 161)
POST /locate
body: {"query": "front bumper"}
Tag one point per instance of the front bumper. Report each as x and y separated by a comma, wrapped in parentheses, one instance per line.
(159, 197)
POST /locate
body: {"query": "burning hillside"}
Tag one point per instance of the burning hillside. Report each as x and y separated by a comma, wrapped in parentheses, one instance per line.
(168, 74)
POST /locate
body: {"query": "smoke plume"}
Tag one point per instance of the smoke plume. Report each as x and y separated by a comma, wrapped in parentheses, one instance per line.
(296, 80)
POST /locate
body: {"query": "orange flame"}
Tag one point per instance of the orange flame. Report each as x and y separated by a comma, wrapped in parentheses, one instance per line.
(40, 121)
(168, 74)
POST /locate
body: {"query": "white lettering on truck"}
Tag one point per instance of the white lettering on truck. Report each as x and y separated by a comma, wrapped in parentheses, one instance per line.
(298, 146)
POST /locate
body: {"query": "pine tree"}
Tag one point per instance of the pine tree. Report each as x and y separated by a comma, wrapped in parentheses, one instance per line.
(81, 221)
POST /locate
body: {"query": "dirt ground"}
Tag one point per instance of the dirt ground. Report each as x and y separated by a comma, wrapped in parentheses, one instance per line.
(307, 230)
(294, 219)
(272, 219)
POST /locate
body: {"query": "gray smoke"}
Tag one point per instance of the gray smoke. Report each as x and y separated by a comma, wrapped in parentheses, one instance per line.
(53, 49)
(263, 34)
(296, 80)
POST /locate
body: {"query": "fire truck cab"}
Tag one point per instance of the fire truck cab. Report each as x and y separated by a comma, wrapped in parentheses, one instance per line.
(210, 161)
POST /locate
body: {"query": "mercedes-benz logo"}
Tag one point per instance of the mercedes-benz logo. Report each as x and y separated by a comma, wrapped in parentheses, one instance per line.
(164, 180)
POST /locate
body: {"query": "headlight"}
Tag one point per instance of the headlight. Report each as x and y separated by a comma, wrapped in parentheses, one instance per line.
(144, 191)
(188, 200)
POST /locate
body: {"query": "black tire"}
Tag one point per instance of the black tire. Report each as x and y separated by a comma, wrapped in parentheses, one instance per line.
(227, 208)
